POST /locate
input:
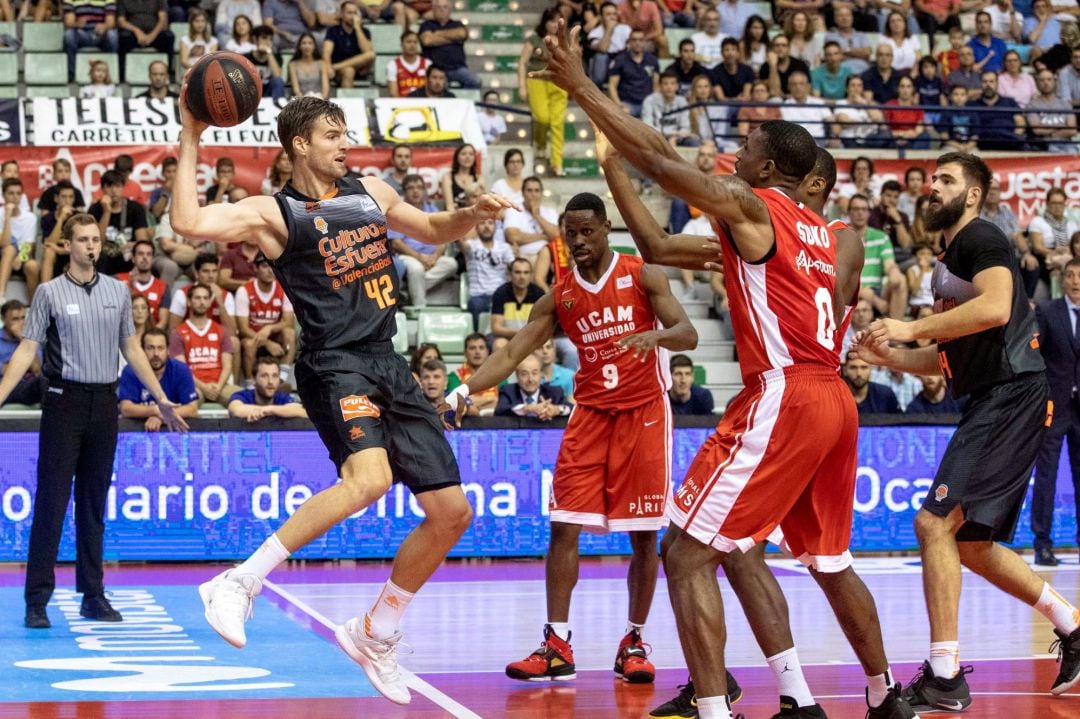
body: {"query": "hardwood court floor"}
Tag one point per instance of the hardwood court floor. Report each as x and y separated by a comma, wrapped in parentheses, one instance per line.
(477, 616)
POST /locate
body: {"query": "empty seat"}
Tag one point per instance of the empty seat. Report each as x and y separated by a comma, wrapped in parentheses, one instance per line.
(46, 69)
(43, 36)
(9, 70)
(401, 337)
(138, 66)
(385, 39)
(445, 329)
(368, 92)
(55, 91)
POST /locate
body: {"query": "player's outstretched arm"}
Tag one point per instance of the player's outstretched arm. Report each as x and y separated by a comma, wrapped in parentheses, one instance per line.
(850, 255)
(919, 361)
(726, 198)
(688, 252)
(434, 228)
(678, 334)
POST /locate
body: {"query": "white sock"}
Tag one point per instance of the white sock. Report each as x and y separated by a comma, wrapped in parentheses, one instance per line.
(630, 626)
(1061, 614)
(878, 687)
(713, 708)
(382, 619)
(789, 676)
(265, 559)
(561, 629)
(945, 659)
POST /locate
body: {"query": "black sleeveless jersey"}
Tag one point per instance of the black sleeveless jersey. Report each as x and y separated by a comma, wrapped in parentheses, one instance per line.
(977, 361)
(336, 268)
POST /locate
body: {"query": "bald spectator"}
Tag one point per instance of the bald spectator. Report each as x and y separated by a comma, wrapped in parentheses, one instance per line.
(265, 399)
(854, 45)
(880, 81)
(443, 39)
(528, 397)
(136, 401)
(1069, 80)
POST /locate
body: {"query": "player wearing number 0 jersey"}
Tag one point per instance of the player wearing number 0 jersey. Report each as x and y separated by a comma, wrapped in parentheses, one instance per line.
(614, 466)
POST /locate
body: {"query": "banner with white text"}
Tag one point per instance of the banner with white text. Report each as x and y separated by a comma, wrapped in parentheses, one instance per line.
(11, 122)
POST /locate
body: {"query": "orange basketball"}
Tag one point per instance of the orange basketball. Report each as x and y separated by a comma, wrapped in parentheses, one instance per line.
(223, 89)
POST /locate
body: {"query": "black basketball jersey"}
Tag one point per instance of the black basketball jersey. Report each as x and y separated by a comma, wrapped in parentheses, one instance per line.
(336, 268)
(999, 354)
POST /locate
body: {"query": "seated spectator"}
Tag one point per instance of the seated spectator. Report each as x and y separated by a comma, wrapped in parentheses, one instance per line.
(278, 174)
(265, 319)
(1042, 29)
(531, 228)
(175, 377)
(177, 254)
(206, 347)
(1006, 23)
(425, 265)
(552, 373)
(966, 75)
(512, 302)
(644, 16)
(883, 285)
(487, 262)
(287, 21)
(907, 121)
(18, 237)
(829, 79)
(88, 24)
(265, 399)
(125, 165)
(880, 81)
(1053, 228)
(732, 78)
(681, 13)
(161, 196)
(140, 317)
(606, 40)
(443, 40)
(779, 66)
(804, 109)
(226, 14)
(476, 352)
(950, 59)
(242, 39)
(1052, 123)
(435, 84)
(222, 306)
(61, 177)
(513, 183)
(407, 72)
(751, 117)
(914, 186)
(905, 46)
(919, 276)
(54, 261)
(707, 41)
(492, 122)
(806, 36)
(424, 352)
(887, 217)
(1014, 83)
(198, 41)
(686, 397)
(856, 123)
(927, 83)
(854, 45)
(142, 282)
(143, 24)
(861, 181)
(1002, 128)
(958, 126)
(225, 190)
(433, 382)
(903, 384)
(266, 60)
(754, 43)
(935, 398)
(989, 50)
(553, 262)
(680, 215)
(347, 49)
(101, 85)
(861, 317)
(685, 67)
(528, 397)
(159, 88)
(237, 265)
(708, 121)
(400, 167)
(1069, 76)
(309, 75)
(659, 111)
(734, 16)
(870, 397)
(460, 179)
(547, 101)
(936, 16)
(633, 75)
(31, 388)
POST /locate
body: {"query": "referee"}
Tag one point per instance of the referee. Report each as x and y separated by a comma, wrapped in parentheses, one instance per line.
(82, 317)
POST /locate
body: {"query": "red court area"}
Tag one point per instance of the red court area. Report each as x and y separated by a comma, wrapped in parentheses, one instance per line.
(477, 616)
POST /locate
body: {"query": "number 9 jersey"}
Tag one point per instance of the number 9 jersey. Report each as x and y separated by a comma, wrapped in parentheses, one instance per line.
(782, 306)
(595, 318)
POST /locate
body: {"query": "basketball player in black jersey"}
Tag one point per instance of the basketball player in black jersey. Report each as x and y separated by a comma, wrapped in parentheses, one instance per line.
(326, 239)
(987, 346)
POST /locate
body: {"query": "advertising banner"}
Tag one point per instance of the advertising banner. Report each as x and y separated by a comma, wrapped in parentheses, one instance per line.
(11, 122)
(73, 121)
(423, 120)
(218, 495)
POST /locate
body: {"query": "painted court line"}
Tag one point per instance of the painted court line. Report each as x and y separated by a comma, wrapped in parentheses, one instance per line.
(414, 682)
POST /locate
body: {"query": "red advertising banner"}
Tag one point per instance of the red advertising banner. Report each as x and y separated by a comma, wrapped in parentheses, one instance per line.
(252, 165)
(1024, 180)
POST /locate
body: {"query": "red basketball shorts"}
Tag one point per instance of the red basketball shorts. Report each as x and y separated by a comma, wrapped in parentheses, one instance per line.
(784, 455)
(614, 469)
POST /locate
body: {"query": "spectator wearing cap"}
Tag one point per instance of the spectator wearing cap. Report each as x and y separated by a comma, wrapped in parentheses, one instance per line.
(265, 318)
(443, 40)
(686, 397)
(31, 388)
(136, 401)
(265, 398)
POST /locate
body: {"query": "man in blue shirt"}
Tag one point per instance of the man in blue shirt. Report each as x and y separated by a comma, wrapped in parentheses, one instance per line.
(870, 397)
(634, 75)
(265, 400)
(552, 373)
(443, 40)
(935, 398)
(989, 50)
(686, 397)
(348, 47)
(424, 265)
(136, 402)
(32, 387)
(1002, 129)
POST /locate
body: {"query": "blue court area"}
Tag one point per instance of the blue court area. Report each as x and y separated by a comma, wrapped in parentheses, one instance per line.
(164, 650)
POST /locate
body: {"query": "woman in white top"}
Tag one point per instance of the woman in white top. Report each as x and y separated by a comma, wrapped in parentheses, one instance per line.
(228, 11)
(919, 275)
(198, 41)
(905, 47)
(241, 42)
(856, 122)
(755, 43)
(510, 186)
(307, 71)
(807, 42)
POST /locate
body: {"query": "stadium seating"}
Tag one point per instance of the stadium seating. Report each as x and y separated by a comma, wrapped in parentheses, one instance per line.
(43, 36)
(445, 329)
(138, 66)
(46, 69)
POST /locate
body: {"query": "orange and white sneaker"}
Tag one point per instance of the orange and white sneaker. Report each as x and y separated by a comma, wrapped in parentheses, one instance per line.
(553, 661)
(631, 662)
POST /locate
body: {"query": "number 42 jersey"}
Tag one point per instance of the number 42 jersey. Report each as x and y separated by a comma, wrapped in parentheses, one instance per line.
(595, 318)
(782, 307)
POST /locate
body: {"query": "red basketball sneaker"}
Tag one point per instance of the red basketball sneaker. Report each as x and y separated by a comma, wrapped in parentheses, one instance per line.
(630, 661)
(553, 661)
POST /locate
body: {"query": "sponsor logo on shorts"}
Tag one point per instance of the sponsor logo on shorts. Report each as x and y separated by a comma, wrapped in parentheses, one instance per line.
(320, 225)
(687, 493)
(650, 424)
(356, 433)
(357, 406)
(941, 492)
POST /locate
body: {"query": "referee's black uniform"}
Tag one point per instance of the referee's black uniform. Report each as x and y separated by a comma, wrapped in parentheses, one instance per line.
(81, 326)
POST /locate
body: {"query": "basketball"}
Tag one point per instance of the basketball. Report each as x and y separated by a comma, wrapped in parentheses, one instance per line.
(223, 89)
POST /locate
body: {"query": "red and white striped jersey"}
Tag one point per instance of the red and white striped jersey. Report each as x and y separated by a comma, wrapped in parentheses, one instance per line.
(595, 317)
(406, 78)
(261, 309)
(782, 308)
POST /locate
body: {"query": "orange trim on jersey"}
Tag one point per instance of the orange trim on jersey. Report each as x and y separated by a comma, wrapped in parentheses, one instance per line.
(332, 192)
